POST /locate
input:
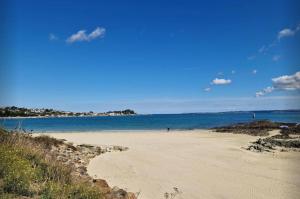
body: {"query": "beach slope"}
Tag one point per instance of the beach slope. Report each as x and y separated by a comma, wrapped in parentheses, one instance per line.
(192, 165)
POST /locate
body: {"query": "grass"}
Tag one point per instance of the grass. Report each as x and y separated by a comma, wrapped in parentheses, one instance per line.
(27, 169)
(47, 141)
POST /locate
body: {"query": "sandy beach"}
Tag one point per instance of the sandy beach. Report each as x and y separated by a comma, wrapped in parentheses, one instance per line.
(198, 164)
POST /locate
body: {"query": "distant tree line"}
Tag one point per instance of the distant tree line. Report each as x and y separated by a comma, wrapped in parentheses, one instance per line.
(14, 111)
(124, 112)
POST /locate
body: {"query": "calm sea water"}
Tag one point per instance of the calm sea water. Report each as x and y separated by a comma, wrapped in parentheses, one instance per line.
(146, 122)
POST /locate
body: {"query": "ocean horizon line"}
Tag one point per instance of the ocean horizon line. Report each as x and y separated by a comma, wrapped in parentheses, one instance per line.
(141, 114)
(149, 121)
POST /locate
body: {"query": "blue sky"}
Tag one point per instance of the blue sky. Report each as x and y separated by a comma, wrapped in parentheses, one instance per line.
(152, 56)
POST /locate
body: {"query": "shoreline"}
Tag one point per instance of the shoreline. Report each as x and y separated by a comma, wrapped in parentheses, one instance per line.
(38, 117)
(124, 131)
(198, 163)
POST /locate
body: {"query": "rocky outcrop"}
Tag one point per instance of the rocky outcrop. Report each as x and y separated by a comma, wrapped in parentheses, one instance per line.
(287, 139)
(112, 193)
(291, 130)
(280, 142)
(255, 128)
(261, 145)
(79, 156)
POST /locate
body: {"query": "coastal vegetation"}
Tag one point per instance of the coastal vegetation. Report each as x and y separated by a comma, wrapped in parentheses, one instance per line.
(14, 111)
(30, 168)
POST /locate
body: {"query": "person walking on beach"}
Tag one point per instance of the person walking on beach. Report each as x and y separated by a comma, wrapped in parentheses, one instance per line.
(253, 116)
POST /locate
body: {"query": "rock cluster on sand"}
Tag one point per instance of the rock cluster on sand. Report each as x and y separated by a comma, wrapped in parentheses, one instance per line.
(255, 128)
(261, 145)
(79, 156)
(112, 193)
(288, 139)
(277, 142)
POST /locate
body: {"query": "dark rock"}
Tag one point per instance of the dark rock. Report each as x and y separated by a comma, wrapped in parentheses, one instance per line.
(120, 148)
(82, 170)
(257, 128)
(78, 157)
(119, 193)
(295, 129)
(102, 185)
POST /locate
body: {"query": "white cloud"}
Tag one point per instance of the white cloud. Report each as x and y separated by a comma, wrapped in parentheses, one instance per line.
(52, 37)
(254, 71)
(207, 89)
(79, 36)
(218, 81)
(267, 90)
(82, 36)
(286, 33)
(98, 32)
(287, 82)
(259, 94)
(276, 57)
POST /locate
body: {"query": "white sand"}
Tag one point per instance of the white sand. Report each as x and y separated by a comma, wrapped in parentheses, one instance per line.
(199, 163)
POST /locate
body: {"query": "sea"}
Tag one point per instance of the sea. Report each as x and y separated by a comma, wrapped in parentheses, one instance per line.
(188, 121)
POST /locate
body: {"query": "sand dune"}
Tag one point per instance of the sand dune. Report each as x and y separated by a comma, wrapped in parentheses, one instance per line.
(200, 164)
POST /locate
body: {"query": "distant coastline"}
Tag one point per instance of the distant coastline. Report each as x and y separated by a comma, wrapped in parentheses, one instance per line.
(61, 116)
(143, 122)
(17, 112)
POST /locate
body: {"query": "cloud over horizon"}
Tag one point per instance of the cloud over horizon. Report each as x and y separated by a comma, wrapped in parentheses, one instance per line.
(285, 82)
(267, 90)
(82, 36)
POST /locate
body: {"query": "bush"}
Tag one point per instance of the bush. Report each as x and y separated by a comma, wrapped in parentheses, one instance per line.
(81, 191)
(47, 141)
(17, 172)
(27, 168)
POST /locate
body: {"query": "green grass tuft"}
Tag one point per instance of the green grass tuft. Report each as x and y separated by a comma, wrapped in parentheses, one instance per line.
(27, 169)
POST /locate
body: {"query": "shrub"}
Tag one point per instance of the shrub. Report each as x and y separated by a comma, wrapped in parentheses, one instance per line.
(27, 168)
(47, 141)
(17, 173)
(81, 191)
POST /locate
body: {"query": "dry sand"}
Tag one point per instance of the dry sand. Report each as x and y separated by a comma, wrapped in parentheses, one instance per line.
(201, 164)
